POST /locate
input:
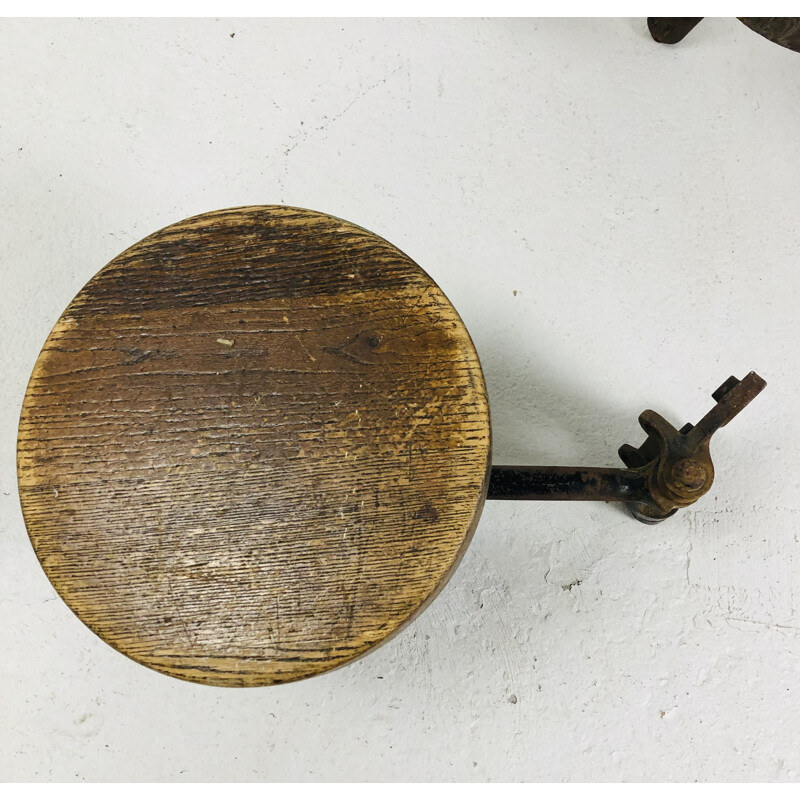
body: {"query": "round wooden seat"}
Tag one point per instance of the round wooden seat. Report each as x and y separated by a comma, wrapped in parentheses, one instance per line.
(254, 446)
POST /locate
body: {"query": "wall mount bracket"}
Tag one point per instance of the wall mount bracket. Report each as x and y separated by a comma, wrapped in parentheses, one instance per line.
(671, 470)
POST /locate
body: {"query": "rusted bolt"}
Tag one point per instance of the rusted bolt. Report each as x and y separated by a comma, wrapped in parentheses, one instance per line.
(689, 474)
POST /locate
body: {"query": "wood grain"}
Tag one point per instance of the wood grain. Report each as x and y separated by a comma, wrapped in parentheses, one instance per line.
(254, 446)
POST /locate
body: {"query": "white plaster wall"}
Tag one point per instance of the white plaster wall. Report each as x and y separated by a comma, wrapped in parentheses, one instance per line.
(617, 222)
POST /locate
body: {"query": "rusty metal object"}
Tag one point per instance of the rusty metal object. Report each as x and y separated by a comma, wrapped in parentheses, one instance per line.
(671, 30)
(784, 31)
(671, 470)
(678, 462)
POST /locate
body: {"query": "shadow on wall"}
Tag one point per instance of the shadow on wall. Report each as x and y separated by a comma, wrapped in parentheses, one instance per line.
(544, 413)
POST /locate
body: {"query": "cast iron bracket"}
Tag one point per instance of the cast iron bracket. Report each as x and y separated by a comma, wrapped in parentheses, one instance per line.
(671, 470)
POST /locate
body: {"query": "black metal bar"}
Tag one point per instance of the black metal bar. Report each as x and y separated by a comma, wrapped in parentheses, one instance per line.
(566, 483)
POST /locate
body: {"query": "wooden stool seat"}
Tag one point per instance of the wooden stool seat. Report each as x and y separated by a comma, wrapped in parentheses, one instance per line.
(254, 446)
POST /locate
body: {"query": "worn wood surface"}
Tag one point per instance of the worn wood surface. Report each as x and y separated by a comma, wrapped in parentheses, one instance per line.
(254, 446)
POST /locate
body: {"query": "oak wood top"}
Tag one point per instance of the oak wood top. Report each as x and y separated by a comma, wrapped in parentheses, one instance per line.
(254, 446)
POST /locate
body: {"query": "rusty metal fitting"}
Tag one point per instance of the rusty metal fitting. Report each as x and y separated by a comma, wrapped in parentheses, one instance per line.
(676, 464)
(671, 470)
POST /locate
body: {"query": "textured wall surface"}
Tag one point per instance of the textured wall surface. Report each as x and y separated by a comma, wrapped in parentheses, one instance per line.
(618, 223)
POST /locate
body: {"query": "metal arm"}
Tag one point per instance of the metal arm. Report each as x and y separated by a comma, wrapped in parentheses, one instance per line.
(671, 470)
